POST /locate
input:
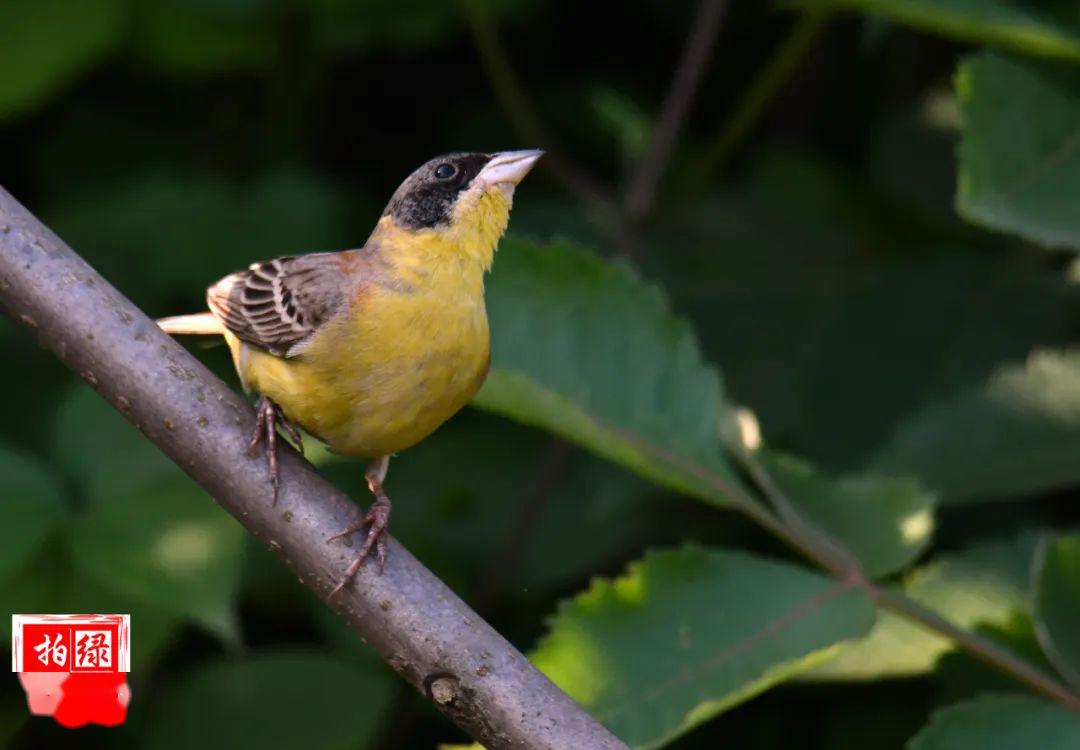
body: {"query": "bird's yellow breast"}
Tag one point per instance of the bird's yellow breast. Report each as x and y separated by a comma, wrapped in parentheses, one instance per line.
(411, 350)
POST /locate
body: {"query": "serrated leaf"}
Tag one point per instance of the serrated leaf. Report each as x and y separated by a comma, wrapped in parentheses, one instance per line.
(32, 508)
(586, 349)
(302, 699)
(45, 44)
(1000, 722)
(886, 522)
(1019, 173)
(1000, 23)
(1017, 434)
(985, 585)
(689, 633)
(1056, 588)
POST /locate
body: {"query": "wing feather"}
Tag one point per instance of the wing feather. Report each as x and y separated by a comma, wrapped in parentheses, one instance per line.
(277, 305)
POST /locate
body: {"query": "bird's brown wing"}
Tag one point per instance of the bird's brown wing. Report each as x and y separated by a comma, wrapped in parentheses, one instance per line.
(277, 305)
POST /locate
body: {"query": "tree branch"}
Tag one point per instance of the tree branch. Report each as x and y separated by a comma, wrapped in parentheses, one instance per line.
(428, 635)
(641, 192)
(523, 115)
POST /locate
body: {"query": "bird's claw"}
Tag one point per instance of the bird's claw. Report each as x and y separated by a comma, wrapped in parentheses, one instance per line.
(376, 521)
(267, 418)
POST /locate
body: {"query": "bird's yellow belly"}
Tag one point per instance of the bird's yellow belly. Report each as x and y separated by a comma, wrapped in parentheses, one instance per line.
(383, 379)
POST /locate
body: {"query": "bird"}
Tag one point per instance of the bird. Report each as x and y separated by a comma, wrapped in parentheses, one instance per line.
(371, 349)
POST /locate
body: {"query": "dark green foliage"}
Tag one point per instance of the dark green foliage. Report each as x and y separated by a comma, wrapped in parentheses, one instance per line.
(899, 322)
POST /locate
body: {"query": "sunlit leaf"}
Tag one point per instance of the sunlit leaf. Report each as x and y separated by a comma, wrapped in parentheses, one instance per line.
(1019, 173)
(886, 522)
(689, 633)
(985, 585)
(1000, 722)
(1010, 25)
(1056, 582)
(1017, 434)
(272, 699)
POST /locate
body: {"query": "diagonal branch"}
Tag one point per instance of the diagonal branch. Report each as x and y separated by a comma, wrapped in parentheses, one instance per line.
(428, 635)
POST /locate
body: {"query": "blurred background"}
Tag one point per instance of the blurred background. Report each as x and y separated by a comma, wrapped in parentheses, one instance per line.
(804, 225)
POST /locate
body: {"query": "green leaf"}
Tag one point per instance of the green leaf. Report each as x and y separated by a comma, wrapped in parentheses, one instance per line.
(32, 508)
(1056, 585)
(1000, 722)
(1017, 434)
(1019, 173)
(167, 545)
(886, 522)
(100, 450)
(1000, 23)
(45, 44)
(586, 349)
(272, 699)
(853, 310)
(689, 633)
(985, 585)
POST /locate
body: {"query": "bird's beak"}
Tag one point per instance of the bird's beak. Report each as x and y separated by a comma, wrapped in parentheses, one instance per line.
(508, 168)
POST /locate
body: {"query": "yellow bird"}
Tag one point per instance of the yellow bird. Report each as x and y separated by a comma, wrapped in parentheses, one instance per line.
(370, 350)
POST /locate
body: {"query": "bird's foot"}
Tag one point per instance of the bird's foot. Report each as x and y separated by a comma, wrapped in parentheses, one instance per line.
(376, 521)
(268, 416)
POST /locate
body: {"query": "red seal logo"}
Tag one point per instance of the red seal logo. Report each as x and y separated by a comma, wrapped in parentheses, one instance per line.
(72, 667)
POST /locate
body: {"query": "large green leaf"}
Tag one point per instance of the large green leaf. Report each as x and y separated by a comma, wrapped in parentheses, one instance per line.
(147, 531)
(1056, 583)
(32, 508)
(1011, 25)
(272, 699)
(44, 44)
(167, 545)
(886, 522)
(689, 633)
(984, 586)
(586, 349)
(1019, 433)
(1000, 722)
(1020, 173)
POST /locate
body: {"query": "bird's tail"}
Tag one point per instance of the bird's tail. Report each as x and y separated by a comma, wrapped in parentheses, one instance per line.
(197, 324)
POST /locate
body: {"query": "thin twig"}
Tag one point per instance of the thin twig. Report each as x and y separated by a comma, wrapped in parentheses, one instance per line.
(842, 565)
(524, 116)
(987, 651)
(645, 182)
(768, 83)
(425, 632)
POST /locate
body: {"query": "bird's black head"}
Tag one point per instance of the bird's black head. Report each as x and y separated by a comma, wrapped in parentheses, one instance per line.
(427, 197)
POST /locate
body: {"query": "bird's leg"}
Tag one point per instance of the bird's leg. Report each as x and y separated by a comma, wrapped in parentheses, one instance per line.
(375, 520)
(267, 418)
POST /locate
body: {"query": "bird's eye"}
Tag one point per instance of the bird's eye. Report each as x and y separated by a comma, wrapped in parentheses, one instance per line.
(445, 171)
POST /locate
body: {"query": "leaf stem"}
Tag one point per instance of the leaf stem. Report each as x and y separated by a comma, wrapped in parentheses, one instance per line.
(978, 646)
(789, 525)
